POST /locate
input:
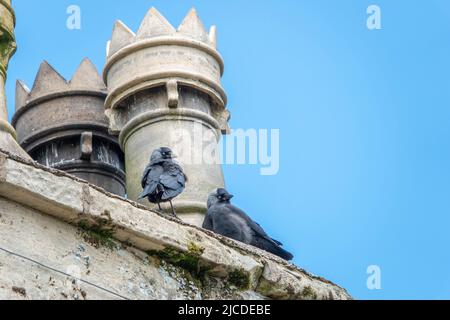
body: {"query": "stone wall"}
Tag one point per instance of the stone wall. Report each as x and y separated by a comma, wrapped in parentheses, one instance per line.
(62, 238)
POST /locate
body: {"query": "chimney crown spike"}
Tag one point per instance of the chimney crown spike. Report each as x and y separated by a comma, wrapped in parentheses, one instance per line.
(163, 53)
(87, 77)
(23, 86)
(22, 94)
(154, 24)
(122, 36)
(193, 27)
(108, 48)
(212, 37)
(48, 80)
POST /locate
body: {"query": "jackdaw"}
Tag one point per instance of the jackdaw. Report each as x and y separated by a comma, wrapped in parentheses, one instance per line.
(163, 179)
(225, 219)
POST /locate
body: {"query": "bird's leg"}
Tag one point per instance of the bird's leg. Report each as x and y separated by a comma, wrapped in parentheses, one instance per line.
(173, 210)
(159, 206)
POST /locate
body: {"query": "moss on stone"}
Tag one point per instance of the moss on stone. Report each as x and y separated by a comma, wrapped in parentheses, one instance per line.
(98, 235)
(188, 261)
(240, 279)
(183, 260)
(6, 48)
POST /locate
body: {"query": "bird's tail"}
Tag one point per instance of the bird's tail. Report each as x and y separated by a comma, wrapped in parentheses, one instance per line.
(283, 254)
(274, 248)
(143, 195)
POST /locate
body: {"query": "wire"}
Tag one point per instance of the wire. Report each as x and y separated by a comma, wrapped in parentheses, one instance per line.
(63, 273)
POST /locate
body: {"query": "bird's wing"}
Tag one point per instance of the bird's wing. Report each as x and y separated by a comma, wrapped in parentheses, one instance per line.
(271, 247)
(257, 229)
(173, 180)
(144, 176)
(274, 240)
(228, 223)
(277, 242)
(151, 180)
(250, 232)
(208, 223)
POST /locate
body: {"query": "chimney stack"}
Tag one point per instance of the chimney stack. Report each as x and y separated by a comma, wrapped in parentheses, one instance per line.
(164, 90)
(62, 124)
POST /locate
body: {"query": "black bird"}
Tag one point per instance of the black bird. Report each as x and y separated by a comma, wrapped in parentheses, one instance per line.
(163, 179)
(225, 219)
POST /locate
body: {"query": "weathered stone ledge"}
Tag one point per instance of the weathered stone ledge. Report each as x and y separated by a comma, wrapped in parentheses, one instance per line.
(74, 201)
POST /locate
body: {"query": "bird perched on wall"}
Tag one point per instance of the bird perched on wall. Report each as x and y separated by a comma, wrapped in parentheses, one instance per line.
(163, 179)
(225, 219)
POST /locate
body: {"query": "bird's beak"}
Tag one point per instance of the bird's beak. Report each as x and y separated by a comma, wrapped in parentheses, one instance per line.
(229, 197)
(174, 156)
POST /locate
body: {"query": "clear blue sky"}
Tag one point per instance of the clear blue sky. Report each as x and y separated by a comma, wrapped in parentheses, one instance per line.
(364, 118)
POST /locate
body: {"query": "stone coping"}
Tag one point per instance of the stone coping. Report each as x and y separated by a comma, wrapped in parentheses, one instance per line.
(73, 200)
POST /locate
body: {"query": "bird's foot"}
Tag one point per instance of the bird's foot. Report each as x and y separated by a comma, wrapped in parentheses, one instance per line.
(174, 214)
(169, 214)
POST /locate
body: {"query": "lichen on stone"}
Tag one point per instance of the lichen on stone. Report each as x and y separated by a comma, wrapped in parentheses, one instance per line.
(195, 249)
(309, 293)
